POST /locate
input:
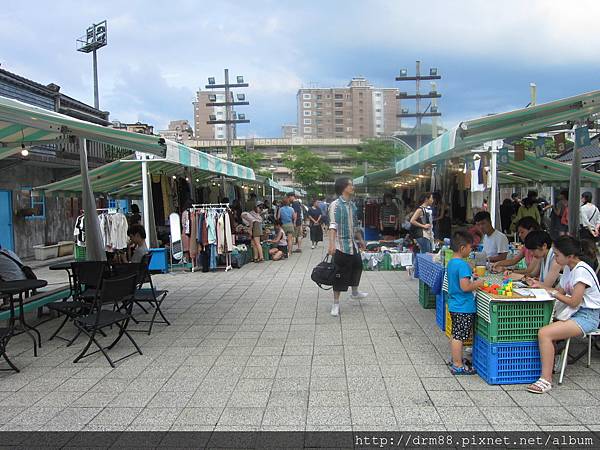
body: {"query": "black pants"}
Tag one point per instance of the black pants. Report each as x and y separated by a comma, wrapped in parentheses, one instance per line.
(348, 270)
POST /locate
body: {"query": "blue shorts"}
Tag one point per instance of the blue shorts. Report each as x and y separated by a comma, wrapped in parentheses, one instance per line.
(587, 319)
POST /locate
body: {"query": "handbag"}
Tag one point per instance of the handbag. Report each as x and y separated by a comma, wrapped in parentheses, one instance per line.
(27, 271)
(324, 273)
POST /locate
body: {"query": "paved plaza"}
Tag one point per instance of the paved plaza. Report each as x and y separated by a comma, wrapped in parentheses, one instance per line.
(256, 349)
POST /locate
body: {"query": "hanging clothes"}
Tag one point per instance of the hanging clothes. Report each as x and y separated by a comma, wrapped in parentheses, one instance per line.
(79, 231)
(185, 230)
(220, 234)
(193, 231)
(228, 232)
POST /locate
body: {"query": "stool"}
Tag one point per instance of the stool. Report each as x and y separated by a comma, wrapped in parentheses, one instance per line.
(565, 354)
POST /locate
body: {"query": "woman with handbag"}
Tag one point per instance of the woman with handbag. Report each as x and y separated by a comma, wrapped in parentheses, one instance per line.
(577, 309)
(421, 226)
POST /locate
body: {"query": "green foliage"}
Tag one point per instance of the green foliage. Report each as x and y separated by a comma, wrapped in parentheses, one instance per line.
(248, 159)
(307, 167)
(377, 154)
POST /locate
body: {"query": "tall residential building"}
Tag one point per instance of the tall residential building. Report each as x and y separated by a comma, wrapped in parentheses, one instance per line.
(356, 111)
(203, 112)
(178, 131)
(289, 131)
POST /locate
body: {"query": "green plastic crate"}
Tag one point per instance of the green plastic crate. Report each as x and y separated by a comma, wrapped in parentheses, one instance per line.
(80, 253)
(265, 248)
(514, 321)
(426, 298)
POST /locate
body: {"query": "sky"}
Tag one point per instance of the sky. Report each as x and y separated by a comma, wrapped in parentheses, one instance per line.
(159, 53)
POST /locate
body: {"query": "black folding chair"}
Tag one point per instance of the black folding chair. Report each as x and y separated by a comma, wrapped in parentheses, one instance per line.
(118, 293)
(150, 296)
(87, 280)
(6, 333)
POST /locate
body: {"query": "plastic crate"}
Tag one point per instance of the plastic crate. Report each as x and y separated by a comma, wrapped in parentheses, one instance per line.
(80, 253)
(440, 311)
(507, 363)
(448, 325)
(265, 248)
(514, 321)
(527, 313)
(386, 263)
(426, 298)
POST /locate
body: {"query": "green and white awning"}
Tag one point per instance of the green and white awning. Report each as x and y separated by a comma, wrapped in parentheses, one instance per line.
(23, 124)
(522, 122)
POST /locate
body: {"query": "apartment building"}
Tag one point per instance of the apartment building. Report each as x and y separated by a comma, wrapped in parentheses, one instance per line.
(358, 111)
(178, 131)
(289, 131)
(202, 113)
(138, 127)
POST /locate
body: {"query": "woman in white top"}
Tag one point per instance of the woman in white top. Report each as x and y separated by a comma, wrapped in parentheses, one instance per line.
(578, 304)
(540, 244)
(253, 220)
(589, 218)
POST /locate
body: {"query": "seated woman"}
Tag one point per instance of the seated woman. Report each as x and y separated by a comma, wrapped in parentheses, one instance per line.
(540, 245)
(524, 227)
(138, 248)
(279, 243)
(577, 304)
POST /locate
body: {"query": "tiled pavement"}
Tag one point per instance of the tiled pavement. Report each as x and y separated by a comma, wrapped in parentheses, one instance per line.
(256, 348)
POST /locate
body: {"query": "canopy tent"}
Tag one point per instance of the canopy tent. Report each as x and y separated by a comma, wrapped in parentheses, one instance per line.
(124, 177)
(521, 122)
(26, 125)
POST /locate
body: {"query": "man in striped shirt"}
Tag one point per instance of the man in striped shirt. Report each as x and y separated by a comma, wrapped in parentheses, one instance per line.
(343, 245)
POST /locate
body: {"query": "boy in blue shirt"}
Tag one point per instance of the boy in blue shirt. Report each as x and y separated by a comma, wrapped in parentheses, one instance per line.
(461, 300)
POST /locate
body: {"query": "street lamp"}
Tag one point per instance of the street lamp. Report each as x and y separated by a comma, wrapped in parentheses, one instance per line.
(95, 37)
(272, 168)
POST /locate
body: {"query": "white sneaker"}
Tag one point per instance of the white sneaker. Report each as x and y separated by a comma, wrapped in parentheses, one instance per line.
(312, 246)
(335, 309)
(359, 295)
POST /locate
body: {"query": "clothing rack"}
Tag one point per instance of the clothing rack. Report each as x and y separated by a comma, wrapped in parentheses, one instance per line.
(216, 207)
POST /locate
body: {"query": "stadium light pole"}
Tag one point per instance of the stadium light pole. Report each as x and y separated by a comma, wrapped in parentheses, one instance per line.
(95, 38)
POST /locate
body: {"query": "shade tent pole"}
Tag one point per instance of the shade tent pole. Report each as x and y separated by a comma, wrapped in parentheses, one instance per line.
(93, 240)
(151, 226)
(145, 198)
(575, 190)
(494, 175)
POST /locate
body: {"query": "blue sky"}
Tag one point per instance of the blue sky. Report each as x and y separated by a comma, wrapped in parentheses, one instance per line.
(159, 53)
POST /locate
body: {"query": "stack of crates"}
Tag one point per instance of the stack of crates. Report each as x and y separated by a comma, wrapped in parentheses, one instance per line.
(448, 325)
(440, 310)
(506, 349)
(426, 298)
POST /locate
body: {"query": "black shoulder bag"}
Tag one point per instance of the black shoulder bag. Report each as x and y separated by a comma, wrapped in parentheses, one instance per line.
(325, 273)
(27, 271)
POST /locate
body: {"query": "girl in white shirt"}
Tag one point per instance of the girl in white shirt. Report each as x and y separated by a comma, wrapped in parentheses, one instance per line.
(589, 217)
(578, 303)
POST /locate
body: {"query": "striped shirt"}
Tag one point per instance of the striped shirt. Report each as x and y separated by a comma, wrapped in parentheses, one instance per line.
(342, 216)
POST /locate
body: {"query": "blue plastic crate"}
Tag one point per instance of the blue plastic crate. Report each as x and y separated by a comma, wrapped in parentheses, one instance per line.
(507, 363)
(440, 311)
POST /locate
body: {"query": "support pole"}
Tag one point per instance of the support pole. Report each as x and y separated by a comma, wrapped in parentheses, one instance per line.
(575, 191)
(227, 116)
(145, 198)
(494, 175)
(96, 98)
(93, 239)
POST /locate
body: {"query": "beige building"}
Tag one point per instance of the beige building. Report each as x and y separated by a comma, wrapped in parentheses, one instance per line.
(178, 130)
(356, 111)
(289, 131)
(202, 113)
(137, 127)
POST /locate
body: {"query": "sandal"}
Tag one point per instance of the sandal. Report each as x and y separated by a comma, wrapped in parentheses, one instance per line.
(541, 386)
(463, 370)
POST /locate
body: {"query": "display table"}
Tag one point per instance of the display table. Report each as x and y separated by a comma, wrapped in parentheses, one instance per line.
(429, 272)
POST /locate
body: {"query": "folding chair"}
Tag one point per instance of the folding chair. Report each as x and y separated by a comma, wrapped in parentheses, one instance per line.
(87, 280)
(565, 353)
(6, 333)
(117, 292)
(151, 296)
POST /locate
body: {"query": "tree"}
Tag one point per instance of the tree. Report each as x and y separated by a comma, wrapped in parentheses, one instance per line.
(307, 168)
(248, 159)
(377, 154)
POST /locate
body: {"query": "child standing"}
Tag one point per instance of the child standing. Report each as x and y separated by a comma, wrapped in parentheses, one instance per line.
(461, 300)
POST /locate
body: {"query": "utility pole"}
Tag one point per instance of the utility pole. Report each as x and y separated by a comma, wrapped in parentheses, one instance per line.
(228, 102)
(95, 38)
(433, 94)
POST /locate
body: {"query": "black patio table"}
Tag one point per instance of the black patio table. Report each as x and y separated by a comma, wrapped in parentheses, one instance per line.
(17, 289)
(65, 266)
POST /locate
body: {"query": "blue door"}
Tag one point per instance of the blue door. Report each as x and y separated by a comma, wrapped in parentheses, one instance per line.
(6, 224)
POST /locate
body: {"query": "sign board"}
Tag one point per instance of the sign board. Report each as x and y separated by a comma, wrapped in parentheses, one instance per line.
(582, 137)
(503, 155)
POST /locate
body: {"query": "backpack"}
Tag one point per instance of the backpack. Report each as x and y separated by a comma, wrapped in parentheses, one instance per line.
(27, 271)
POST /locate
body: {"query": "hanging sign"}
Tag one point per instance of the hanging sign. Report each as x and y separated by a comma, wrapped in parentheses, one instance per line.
(540, 147)
(559, 142)
(582, 137)
(519, 152)
(503, 155)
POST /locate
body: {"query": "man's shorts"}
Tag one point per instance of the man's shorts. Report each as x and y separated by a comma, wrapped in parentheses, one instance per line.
(462, 325)
(298, 231)
(348, 270)
(288, 228)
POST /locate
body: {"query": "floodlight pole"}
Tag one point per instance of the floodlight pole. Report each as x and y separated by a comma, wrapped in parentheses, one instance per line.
(96, 97)
(227, 116)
